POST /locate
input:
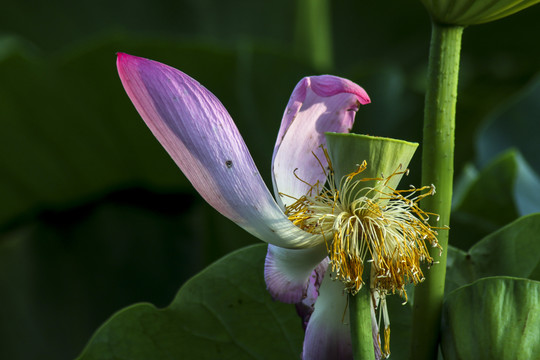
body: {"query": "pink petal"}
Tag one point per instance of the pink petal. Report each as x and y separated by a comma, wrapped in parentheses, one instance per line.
(317, 105)
(287, 272)
(328, 331)
(305, 308)
(200, 136)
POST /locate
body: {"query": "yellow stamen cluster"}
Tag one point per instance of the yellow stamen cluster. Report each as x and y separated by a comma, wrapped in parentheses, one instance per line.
(376, 223)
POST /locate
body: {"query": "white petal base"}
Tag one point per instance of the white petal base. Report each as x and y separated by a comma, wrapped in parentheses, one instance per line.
(328, 331)
(287, 271)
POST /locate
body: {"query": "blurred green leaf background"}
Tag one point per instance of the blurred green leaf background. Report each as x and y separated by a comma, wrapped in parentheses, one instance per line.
(94, 216)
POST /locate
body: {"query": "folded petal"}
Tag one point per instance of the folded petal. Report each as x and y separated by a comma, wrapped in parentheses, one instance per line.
(199, 134)
(288, 272)
(328, 331)
(305, 308)
(317, 105)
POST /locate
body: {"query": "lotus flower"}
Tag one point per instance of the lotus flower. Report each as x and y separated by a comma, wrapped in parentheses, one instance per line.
(200, 136)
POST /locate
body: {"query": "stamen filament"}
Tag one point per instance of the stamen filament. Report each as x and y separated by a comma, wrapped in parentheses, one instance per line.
(377, 224)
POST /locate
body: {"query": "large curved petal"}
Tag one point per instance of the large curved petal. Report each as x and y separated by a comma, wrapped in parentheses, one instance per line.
(200, 136)
(287, 272)
(317, 105)
(328, 334)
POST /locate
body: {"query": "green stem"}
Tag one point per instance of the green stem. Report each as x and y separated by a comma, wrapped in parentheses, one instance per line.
(437, 169)
(360, 317)
(313, 40)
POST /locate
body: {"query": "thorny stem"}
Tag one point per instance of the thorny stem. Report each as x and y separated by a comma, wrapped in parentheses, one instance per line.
(438, 169)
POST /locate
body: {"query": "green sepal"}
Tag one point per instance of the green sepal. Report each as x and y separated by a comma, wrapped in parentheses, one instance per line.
(472, 12)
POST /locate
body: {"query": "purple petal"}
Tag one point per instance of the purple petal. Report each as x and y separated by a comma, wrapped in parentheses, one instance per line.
(305, 308)
(200, 136)
(317, 105)
(328, 331)
(287, 272)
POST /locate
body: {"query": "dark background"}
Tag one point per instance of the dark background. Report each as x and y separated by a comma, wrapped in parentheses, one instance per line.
(94, 215)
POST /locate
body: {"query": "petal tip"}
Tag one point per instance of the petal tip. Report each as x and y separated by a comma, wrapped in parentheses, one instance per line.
(122, 56)
(327, 85)
(123, 60)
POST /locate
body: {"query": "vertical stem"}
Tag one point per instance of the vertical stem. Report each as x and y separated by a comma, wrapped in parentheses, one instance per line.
(361, 332)
(313, 38)
(437, 169)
